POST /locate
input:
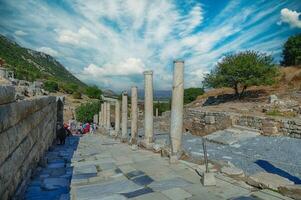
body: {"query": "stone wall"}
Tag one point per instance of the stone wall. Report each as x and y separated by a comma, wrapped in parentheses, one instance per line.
(200, 122)
(27, 129)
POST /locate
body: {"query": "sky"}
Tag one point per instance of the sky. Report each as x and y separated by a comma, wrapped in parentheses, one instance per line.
(110, 43)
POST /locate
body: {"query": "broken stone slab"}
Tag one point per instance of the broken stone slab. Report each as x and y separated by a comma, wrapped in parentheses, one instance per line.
(292, 191)
(7, 94)
(267, 194)
(233, 171)
(54, 183)
(267, 180)
(208, 179)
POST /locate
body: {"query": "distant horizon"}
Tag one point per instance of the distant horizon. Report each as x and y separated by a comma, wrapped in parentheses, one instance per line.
(111, 43)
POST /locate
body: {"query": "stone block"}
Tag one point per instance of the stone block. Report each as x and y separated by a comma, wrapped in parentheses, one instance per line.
(233, 171)
(267, 180)
(208, 179)
(209, 119)
(292, 191)
(7, 94)
(176, 193)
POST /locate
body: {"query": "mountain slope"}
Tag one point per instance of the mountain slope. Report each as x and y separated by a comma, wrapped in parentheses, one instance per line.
(31, 65)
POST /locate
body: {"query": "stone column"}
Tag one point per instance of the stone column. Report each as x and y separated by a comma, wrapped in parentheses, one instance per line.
(124, 120)
(108, 124)
(157, 112)
(104, 121)
(134, 118)
(176, 120)
(117, 117)
(148, 108)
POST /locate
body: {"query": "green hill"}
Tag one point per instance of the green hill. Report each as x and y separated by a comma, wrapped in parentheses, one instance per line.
(30, 65)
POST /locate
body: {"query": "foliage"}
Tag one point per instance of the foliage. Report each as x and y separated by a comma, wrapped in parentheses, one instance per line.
(242, 70)
(292, 51)
(77, 95)
(277, 113)
(93, 92)
(162, 106)
(51, 86)
(31, 65)
(190, 94)
(69, 87)
(85, 112)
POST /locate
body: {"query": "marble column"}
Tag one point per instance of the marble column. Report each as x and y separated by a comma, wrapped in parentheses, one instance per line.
(108, 124)
(134, 118)
(117, 117)
(176, 120)
(104, 114)
(124, 115)
(157, 112)
(148, 108)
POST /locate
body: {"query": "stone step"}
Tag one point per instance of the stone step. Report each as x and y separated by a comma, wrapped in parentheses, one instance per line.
(245, 128)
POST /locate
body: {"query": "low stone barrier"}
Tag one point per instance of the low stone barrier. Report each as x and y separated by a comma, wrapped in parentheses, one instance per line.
(27, 129)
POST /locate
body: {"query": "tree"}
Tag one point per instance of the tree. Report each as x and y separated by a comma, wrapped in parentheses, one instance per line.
(190, 94)
(93, 92)
(85, 112)
(292, 51)
(242, 70)
(69, 87)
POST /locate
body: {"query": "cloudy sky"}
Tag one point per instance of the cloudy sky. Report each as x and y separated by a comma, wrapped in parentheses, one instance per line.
(111, 42)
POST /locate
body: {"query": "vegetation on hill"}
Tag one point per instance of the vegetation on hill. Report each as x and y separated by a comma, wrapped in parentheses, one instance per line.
(242, 70)
(93, 92)
(292, 51)
(190, 94)
(30, 65)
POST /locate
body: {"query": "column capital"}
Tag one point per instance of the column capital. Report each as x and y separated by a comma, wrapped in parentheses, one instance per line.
(149, 72)
(178, 61)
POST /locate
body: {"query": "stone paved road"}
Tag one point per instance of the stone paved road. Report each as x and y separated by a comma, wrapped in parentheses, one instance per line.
(98, 167)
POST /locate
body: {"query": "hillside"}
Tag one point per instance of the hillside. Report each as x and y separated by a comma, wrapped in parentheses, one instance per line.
(30, 65)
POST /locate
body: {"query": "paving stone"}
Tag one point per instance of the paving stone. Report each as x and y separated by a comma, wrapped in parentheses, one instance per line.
(293, 191)
(56, 165)
(142, 180)
(135, 173)
(168, 184)
(138, 192)
(87, 169)
(176, 194)
(266, 194)
(54, 183)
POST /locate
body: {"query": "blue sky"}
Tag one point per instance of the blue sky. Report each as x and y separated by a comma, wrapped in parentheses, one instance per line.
(111, 42)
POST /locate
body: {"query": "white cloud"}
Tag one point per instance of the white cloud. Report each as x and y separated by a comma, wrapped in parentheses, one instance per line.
(20, 33)
(75, 38)
(48, 51)
(291, 17)
(129, 66)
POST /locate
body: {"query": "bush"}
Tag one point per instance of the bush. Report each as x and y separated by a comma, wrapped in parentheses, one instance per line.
(162, 106)
(242, 70)
(93, 92)
(85, 112)
(190, 94)
(77, 95)
(69, 87)
(292, 51)
(51, 86)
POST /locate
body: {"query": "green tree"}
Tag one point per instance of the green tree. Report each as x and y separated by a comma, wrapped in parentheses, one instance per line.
(51, 86)
(93, 92)
(76, 95)
(190, 94)
(85, 112)
(242, 70)
(69, 87)
(292, 51)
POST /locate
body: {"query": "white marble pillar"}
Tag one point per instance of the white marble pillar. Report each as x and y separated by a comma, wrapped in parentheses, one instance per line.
(104, 114)
(117, 117)
(134, 117)
(148, 108)
(124, 115)
(108, 124)
(157, 112)
(176, 120)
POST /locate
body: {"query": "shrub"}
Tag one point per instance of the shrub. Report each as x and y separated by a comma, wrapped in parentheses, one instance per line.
(77, 95)
(51, 86)
(69, 87)
(190, 94)
(162, 106)
(85, 112)
(93, 92)
(242, 70)
(292, 51)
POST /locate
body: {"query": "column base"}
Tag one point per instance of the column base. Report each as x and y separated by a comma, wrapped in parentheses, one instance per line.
(146, 144)
(208, 179)
(124, 140)
(134, 147)
(173, 159)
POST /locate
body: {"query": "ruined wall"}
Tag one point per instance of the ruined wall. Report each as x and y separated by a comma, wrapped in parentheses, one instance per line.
(200, 122)
(27, 129)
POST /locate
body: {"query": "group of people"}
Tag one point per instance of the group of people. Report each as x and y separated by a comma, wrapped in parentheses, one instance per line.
(73, 129)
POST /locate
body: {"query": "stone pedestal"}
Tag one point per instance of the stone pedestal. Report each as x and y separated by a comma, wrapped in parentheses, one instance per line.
(176, 120)
(148, 107)
(134, 111)
(208, 179)
(124, 116)
(108, 121)
(117, 117)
